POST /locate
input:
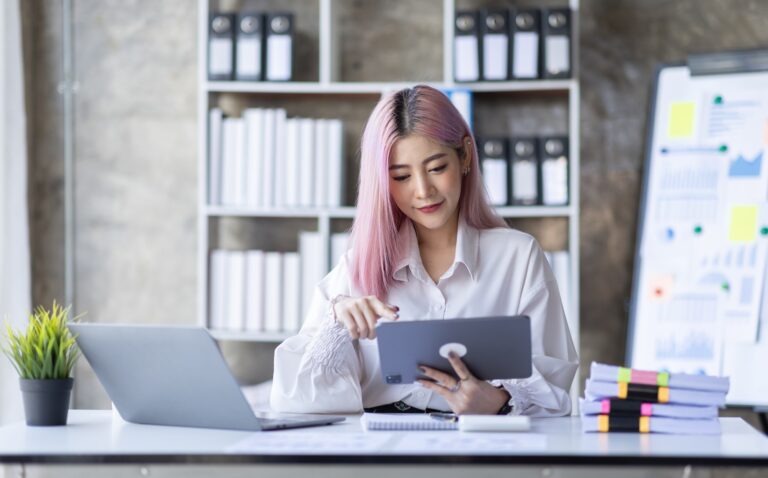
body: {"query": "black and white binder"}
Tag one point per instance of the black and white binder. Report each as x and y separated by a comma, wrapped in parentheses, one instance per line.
(221, 47)
(556, 43)
(494, 28)
(466, 47)
(495, 165)
(279, 47)
(525, 171)
(525, 26)
(250, 47)
(554, 170)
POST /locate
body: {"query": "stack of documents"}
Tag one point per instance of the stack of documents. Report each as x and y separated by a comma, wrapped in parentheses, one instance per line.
(628, 400)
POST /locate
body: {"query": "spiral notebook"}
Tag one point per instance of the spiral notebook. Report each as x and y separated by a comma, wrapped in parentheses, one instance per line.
(405, 421)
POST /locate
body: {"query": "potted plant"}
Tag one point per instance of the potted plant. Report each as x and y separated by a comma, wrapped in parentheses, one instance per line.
(44, 357)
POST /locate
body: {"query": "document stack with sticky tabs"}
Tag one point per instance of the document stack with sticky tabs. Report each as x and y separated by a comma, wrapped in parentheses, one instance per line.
(619, 399)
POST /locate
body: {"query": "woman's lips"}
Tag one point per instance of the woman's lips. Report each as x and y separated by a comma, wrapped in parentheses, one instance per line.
(432, 208)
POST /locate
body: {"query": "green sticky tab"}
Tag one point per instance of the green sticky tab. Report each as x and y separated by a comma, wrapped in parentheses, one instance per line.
(662, 379)
(723, 148)
(625, 375)
(718, 100)
(764, 231)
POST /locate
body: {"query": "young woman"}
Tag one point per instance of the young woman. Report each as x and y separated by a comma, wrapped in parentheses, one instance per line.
(425, 245)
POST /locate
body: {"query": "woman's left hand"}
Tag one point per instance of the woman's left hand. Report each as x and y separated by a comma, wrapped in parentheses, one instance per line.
(468, 395)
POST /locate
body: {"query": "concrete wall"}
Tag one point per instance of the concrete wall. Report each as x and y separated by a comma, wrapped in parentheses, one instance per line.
(136, 158)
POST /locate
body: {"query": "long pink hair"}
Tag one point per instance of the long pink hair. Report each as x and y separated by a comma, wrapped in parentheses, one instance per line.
(424, 111)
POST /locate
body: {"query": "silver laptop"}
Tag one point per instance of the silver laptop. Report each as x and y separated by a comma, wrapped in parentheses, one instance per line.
(160, 375)
(491, 347)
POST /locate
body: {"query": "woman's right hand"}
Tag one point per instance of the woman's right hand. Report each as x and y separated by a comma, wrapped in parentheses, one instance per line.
(360, 314)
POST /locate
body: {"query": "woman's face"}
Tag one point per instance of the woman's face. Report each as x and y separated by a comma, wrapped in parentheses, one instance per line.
(425, 180)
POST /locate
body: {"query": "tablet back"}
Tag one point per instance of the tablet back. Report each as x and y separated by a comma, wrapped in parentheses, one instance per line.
(491, 347)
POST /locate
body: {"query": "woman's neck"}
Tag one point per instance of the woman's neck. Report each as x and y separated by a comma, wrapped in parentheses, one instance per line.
(436, 239)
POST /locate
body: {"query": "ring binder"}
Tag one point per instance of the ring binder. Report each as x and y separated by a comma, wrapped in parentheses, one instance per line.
(466, 49)
(495, 41)
(220, 47)
(525, 26)
(279, 47)
(525, 172)
(250, 46)
(556, 43)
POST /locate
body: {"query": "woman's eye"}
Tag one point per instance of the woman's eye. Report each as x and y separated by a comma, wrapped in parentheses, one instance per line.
(400, 178)
(439, 168)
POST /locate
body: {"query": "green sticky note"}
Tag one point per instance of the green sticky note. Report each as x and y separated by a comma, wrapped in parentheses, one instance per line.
(625, 375)
(681, 116)
(743, 223)
(662, 379)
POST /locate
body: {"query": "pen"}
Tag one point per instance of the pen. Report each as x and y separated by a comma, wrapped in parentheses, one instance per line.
(446, 417)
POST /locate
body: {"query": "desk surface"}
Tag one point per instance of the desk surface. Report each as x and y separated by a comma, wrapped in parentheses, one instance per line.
(95, 437)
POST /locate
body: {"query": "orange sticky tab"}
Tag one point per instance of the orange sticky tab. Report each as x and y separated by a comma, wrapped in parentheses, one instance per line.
(645, 424)
(622, 390)
(663, 394)
(602, 423)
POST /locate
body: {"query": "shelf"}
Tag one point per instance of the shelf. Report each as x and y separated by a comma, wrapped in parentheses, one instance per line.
(242, 336)
(378, 88)
(349, 212)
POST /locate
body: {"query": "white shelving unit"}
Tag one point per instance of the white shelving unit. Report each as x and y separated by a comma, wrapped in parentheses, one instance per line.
(329, 84)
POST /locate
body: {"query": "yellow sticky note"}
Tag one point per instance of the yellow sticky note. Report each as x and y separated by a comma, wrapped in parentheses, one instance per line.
(743, 223)
(681, 119)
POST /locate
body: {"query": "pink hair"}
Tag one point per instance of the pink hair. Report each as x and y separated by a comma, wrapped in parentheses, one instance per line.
(424, 111)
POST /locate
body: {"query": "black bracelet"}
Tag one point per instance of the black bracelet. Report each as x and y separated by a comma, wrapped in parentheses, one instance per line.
(505, 409)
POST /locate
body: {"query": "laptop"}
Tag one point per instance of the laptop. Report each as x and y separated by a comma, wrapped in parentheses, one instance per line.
(491, 347)
(176, 376)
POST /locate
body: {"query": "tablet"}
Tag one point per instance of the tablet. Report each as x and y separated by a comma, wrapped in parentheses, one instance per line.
(491, 347)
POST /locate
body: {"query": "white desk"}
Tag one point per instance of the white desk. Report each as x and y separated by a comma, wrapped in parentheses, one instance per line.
(92, 437)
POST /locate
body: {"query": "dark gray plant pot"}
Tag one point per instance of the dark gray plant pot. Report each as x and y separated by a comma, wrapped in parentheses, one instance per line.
(46, 402)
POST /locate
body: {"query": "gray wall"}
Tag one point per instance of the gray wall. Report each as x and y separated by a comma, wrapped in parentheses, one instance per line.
(136, 157)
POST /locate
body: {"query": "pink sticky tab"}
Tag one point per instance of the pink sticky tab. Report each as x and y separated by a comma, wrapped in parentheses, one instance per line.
(644, 377)
(605, 407)
(646, 409)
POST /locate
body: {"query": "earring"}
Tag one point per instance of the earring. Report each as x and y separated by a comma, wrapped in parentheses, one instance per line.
(466, 171)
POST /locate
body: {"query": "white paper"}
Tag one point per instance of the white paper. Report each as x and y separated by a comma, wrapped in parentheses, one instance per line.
(451, 442)
(312, 443)
(557, 61)
(495, 178)
(495, 54)
(466, 67)
(220, 56)
(248, 57)
(279, 54)
(554, 181)
(524, 181)
(525, 59)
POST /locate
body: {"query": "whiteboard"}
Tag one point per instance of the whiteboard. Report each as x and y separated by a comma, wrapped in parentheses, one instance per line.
(699, 280)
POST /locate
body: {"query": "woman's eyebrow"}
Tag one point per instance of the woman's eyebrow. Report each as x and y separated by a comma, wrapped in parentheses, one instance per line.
(431, 158)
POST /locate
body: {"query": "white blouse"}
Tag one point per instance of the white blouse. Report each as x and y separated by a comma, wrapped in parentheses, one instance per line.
(496, 272)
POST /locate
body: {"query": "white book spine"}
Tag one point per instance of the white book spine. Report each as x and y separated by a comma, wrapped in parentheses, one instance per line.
(228, 159)
(495, 179)
(291, 292)
(254, 291)
(339, 246)
(273, 280)
(336, 170)
(235, 291)
(268, 156)
(240, 160)
(218, 288)
(215, 118)
(306, 153)
(292, 171)
(311, 251)
(254, 138)
(321, 162)
(280, 157)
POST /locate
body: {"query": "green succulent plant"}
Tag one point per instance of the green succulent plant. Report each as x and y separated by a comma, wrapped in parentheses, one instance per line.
(47, 351)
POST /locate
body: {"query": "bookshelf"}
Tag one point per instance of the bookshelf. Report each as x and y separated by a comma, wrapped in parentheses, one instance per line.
(306, 96)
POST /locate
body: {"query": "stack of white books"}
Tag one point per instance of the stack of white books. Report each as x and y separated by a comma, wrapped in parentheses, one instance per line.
(560, 263)
(264, 291)
(265, 160)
